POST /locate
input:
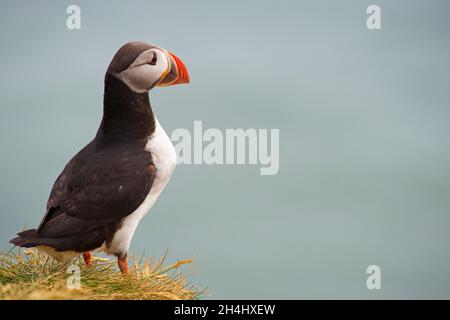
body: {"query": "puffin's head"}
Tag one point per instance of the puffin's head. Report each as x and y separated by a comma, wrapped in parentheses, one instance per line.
(142, 66)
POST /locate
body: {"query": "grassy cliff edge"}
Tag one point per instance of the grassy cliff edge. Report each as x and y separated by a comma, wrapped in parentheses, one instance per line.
(28, 274)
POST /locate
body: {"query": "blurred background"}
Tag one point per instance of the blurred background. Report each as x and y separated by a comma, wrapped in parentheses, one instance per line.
(364, 136)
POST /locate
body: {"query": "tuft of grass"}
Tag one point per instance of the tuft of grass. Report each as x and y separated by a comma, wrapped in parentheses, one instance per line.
(29, 274)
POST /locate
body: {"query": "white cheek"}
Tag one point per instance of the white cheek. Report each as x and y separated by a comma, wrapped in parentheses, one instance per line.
(141, 77)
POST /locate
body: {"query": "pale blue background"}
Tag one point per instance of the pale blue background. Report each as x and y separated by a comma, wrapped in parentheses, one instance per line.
(364, 123)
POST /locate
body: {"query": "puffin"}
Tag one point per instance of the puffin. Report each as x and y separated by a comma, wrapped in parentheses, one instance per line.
(104, 191)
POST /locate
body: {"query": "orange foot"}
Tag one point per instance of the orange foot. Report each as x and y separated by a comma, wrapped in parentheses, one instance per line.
(87, 256)
(123, 265)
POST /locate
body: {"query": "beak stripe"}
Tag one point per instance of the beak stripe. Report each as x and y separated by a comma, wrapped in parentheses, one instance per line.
(183, 76)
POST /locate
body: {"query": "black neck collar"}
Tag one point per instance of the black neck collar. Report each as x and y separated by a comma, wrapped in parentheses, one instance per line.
(127, 115)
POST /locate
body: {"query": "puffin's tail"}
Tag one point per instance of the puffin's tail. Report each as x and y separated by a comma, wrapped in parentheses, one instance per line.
(28, 238)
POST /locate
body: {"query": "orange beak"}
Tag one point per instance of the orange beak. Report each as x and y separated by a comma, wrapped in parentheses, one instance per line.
(183, 76)
(177, 73)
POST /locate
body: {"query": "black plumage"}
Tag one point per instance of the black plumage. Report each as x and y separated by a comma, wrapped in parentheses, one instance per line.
(109, 178)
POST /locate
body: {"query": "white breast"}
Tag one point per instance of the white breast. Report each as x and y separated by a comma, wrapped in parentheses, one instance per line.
(164, 159)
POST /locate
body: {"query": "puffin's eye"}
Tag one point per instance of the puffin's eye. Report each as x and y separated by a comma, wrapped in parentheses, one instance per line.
(153, 61)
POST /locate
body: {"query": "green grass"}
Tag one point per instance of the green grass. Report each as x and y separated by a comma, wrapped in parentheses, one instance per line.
(28, 274)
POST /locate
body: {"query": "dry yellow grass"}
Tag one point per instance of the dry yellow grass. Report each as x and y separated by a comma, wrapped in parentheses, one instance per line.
(31, 275)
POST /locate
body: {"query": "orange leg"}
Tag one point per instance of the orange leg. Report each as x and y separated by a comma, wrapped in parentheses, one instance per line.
(87, 256)
(123, 265)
